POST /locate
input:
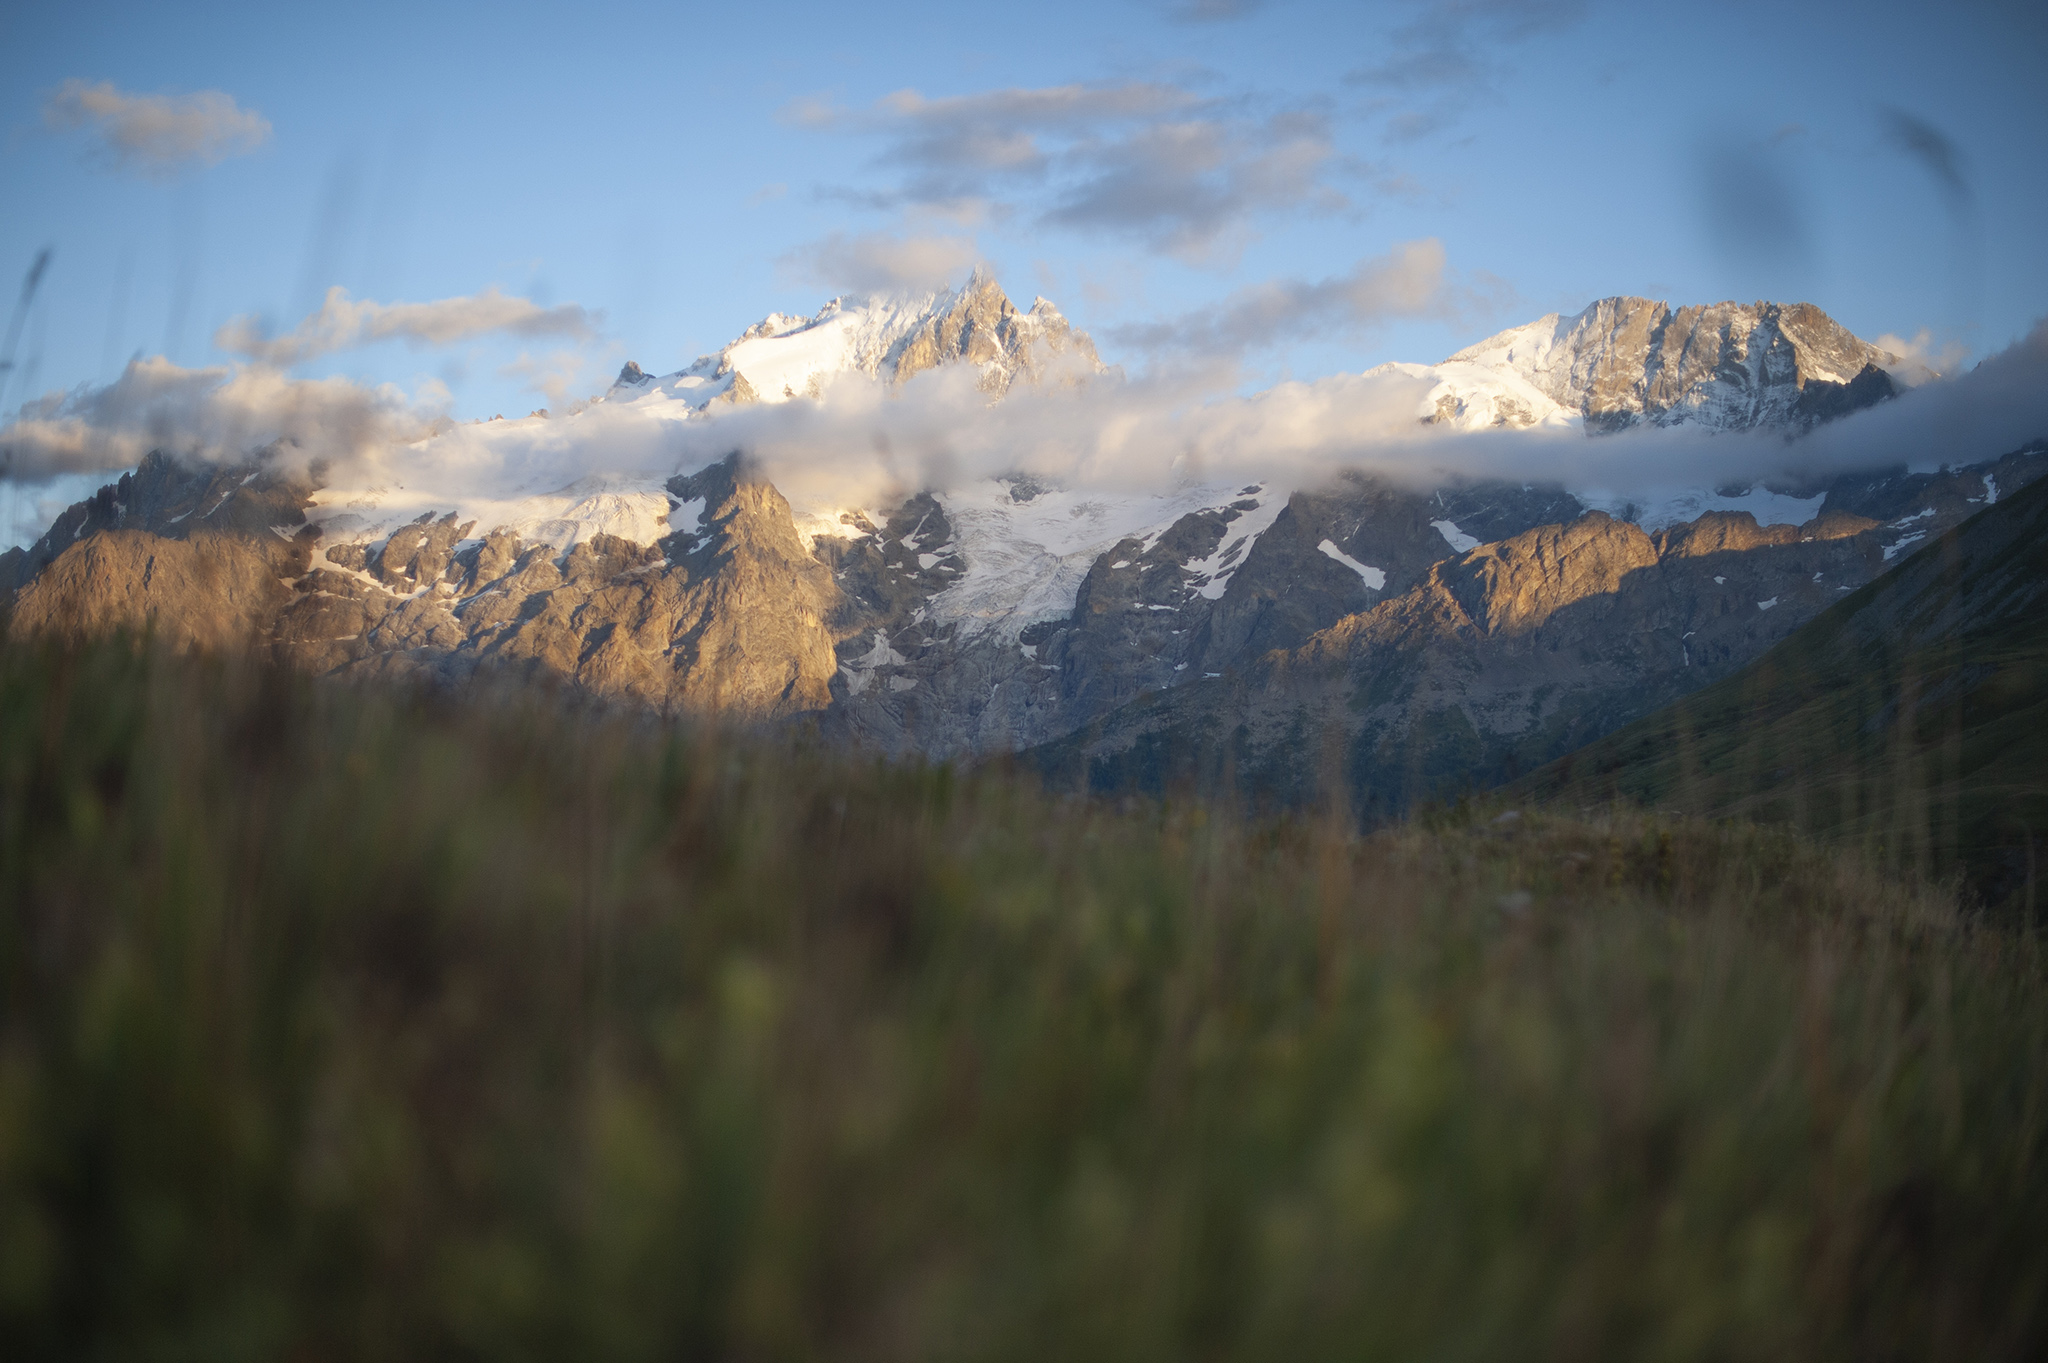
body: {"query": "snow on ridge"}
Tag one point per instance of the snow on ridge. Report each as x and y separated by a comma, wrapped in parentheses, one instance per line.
(1656, 509)
(1375, 578)
(783, 357)
(1024, 561)
(1721, 366)
(1459, 541)
(532, 476)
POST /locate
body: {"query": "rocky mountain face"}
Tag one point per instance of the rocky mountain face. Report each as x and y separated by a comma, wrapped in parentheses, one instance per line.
(1212, 590)
(1628, 361)
(1513, 653)
(1361, 636)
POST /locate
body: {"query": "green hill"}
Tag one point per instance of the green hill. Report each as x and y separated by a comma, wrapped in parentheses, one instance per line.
(1910, 720)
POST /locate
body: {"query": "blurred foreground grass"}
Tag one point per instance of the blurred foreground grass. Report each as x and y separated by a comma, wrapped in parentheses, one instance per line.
(344, 1024)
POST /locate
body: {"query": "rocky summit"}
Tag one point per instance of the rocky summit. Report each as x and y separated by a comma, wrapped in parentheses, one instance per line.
(1628, 361)
(1388, 640)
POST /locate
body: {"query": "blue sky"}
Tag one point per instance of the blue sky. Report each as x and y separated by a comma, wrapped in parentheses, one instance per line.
(680, 171)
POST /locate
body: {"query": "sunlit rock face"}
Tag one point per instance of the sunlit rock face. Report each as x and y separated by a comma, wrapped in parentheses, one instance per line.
(1625, 361)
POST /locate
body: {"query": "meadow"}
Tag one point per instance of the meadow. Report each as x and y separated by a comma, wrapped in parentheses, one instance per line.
(365, 1024)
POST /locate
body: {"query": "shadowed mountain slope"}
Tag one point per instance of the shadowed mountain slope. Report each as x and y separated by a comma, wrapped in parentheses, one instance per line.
(1911, 718)
(1512, 654)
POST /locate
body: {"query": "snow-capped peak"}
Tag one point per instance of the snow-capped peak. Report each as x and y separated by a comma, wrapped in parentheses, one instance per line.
(1624, 361)
(886, 337)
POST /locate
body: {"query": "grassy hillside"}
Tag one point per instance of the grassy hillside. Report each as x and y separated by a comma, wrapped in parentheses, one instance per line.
(1910, 721)
(342, 1025)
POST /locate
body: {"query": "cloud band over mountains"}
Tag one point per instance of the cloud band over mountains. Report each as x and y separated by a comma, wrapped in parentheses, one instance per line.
(220, 413)
(864, 443)
(343, 323)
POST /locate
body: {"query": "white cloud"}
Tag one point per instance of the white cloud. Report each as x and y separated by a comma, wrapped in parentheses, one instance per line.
(1408, 281)
(1990, 409)
(158, 134)
(1925, 351)
(223, 413)
(883, 262)
(343, 323)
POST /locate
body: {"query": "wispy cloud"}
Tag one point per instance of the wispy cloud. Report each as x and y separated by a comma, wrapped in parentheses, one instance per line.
(1445, 60)
(883, 262)
(343, 323)
(157, 135)
(558, 374)
(1213, 11)
(1411, 280)
(1183, 173)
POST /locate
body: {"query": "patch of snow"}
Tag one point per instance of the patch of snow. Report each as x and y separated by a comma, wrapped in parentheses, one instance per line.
(531, 475)
(830, 522)
(1659, 508)
(860, 670)
(1025, 561)
(1458, 540)
(1374, 578)
(1212, 574)
(688, 517)
(1990, 490)
(1766, 605)
(1470, 392)
(1720, 582)
(1892, 551)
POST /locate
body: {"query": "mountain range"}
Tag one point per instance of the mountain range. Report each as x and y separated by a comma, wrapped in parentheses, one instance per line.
(1355, 631)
